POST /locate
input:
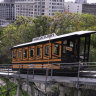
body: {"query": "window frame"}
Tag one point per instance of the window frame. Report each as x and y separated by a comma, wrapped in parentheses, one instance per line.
(32, 52)
(41, 47)
(14, 50)
(57, 49)
(25, 48)
(34, 57)
(25, 53)
(19, 51)
(47, 50)
(54, 56)
(39, 55)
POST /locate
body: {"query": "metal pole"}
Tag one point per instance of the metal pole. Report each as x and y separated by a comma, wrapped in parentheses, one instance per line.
(51, 71)
(33, 71)
(7, 81)
(32, 88)
(19, 85)
(46, 77)
(27, 78)
(78, 79)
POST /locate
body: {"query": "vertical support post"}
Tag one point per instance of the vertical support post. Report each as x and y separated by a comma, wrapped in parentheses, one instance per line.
(19, 85)
(19, 88)
(27, 78)
(79, 43)
(46, 77)
(79, 93)
(88, 47)
(85, 48)
(7, 82)
(33, 71)
(32, 89)
(78, 80)
(51, 71)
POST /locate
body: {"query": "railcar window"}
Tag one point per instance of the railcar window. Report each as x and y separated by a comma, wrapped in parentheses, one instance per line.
(71, 44)
(65, 42)
(14, 54)
(47, 50)
(31, 52)
(25, 53)
(64, 49)
(56, 49)
(38, 51)
(64, 46)
(19, 54)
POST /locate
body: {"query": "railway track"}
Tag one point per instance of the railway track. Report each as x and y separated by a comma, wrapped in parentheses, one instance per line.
(83, 73)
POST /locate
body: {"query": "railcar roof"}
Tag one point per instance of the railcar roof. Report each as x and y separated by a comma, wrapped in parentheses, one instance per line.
(78, 33)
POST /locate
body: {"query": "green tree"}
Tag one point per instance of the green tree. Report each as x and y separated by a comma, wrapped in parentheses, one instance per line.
(24, 29)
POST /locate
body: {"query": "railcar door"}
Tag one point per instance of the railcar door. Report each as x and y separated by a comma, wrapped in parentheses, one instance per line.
(70, 50)
(84, 48)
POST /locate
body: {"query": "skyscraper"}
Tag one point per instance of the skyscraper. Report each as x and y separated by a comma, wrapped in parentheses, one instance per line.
(81, 1)
(6, 11)
(11, 9)
(38, 7)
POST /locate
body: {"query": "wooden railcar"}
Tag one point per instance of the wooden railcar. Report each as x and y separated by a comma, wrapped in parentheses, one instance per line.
(48, 49)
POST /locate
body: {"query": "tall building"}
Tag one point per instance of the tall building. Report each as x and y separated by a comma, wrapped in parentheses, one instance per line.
(81, 1)
(80, 8)
(89, 8)
(6, 11)
(73, 7)
(38, 7)
(11, 9)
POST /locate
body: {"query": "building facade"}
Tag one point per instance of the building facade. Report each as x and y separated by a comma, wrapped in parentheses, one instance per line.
(80, 8)
(11, 9)
(6, 11)
(73, 7)
(35, 8)
(81, 1)
(89, 8)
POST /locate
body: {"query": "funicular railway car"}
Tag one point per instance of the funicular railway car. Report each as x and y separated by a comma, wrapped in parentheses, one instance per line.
(48, 49)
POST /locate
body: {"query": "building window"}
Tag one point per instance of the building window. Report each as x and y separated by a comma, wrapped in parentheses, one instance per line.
(56, 49)
(31, 52)
(25, 53)
(19, 54)
(14, 54)
(47, 50)
(38, 51)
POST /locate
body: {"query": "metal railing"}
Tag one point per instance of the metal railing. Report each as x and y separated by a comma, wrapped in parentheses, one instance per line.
(50, 70)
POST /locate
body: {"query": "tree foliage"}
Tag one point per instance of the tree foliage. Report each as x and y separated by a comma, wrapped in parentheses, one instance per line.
(24, 29)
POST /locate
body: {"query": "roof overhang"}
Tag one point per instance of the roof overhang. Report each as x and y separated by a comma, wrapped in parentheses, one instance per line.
(77, 33)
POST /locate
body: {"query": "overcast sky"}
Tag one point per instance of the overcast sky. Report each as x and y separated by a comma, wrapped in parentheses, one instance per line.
(89, 1)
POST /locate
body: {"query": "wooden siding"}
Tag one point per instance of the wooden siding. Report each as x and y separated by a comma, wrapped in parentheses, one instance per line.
(39, 60)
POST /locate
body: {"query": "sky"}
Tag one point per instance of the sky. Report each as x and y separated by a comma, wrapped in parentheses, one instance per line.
(89, 1)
